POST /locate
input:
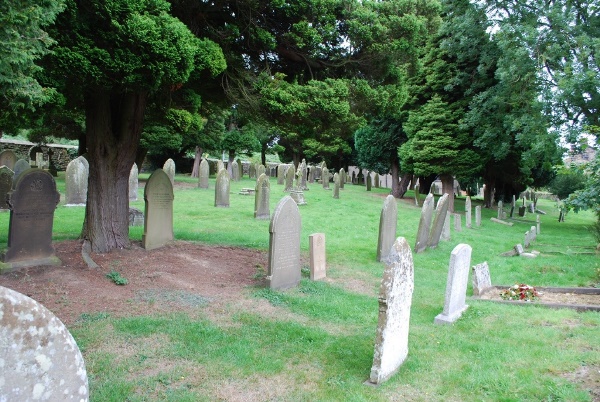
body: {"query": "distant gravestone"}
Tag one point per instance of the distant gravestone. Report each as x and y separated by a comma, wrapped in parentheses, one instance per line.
(158, 199)
(336, 186)
(387, 227)
(220, 166)
(8, 158)
(457, 222)
(6, 181)
(136, 217)
(76, 181)
(252, 171)
(39, 359)
(303, 175)
(260, 170)
(446, 228)
(424, 224)
(240, 169)
(500, 210)
(311, 174)
(284, 245)
(262, 197)
(376, 180)
(21, 166)
(169, 169)
(222, 189)
(468, 223)
(438, 222)
(325, 178)
(481, 278)
(395, 300)
(533, 232)
(512, 206)
(281, 169)
(417, 195)
(537, 224)
(235, 171)
(203, 174)
(289, 179)
(342, 174)
(456, 285)
(316, 251)
(32, 204)
(133, 183)
(369, 182)
(478, 215)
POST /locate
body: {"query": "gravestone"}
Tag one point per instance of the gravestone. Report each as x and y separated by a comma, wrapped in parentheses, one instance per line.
(39, 359)
(387, 227)
(316, 251)
(478, 215)
(468, 223)
(6, 181)
(325, 178)
(342, 178)
(235, 171)
(220, 166)
(456, 285)
(32, 204)
(262, 197)
(284, 245)
(76, 181)
(8, 158)
(424, 224)
(500, 210)
(533, 232)
(441, 211)
(136, 217)
(512, 206)
(169, 169)
(158, 212)
(21, 166)
(222, 189)
(481, 278)
(260, 170)
(203, 174)
(252, 171)
(133, 183)
(281, 170)
(368, 179)
(311, 174)
(289, 179)
(240, 169)
(376, 180)
(537, 224)
(446, 228)
(417, 195)
(336, 186)
(527, 239)
(303, 175)
(457, 223)
(395, 300)
(522, 210)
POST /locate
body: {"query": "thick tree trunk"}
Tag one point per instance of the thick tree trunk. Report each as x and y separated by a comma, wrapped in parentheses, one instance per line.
(113, 130)
(197, 158)
(448, 188)
(488, 192)
(404, 181)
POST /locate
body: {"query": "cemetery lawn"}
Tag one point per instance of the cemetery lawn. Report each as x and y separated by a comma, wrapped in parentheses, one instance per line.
(196, 323)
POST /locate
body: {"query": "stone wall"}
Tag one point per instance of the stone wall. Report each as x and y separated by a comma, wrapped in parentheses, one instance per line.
(61, 154)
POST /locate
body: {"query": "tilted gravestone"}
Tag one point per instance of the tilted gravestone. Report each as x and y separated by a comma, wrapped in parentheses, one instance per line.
(456, 285)
(481, 278)
(468, 223)
(222, 189)
(289, 179)
(40, 359)
(262, 195)
(32, 204)
(8, 158)
(424, 224)
(169, 169)
(6, 181)
(158, 199)
(204, 173)
(21, 166)
(441, 211)
(336, 186)
(395, 300)
(76, 181)
(316, 251)
(387, 227)
(284, 245)
(133, 183)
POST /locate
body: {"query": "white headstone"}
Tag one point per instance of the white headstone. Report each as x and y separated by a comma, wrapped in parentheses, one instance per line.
(456, 285)
(387, 227)
(481, 278)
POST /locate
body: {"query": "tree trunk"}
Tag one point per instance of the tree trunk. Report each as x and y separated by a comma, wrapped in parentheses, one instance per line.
(425, 183)
(140, 156)
(82, 145)
(406, 178)
(488, 192)
(197, 158)
(113, 130)
(263, 155)
(448, 188)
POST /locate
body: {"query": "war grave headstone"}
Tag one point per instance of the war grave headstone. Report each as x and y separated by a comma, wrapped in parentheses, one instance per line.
(235, 171)
(468, 223)
(8, 158)
(395, 300)
(262, 197)
(32, 203)
(20, 166)
(284, 245)
(336, 186)
(456, 285)
(203, 174)
(6, 181)
(481, 278)
(325, 178)
(169, 169)
(369, 180)
(41, 360)
(457, 222)
(133, 183)
(388, 221)
(441, 211)
(158, 200)
(289, 179)
(342, 174)
(316, 251)
(222, 189)
(76, 182)
(446, 228)
(478, 215)
(424, 224)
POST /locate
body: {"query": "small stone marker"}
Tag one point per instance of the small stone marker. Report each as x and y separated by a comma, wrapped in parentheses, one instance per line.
(522, 211)
(284, 245)
(262, 197)
(222, 189)
(441, 211)
(203, 174)
(21, 166)
(481, 278)
(527, 239)
(6, 181)
(8, 158)
(289, 179)
(318, 262)
(336, 186)
(457, 222)
(158, 199)
(252, 171)
(395, 300)
(478, 215)
(468, 223)
(342, 178)
(387, 227)
(76, 181)
(424, 224)
(456, 285)
(39, 358)
(133, 183)
(169, 169)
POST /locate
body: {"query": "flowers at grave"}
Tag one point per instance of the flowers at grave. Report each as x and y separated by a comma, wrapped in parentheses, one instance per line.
(520, 292)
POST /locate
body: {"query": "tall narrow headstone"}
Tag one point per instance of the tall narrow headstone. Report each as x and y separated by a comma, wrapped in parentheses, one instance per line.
(303, 176)
(387, 227)
(203, 174)
(281, 169)
(284, 245)
(478, 215)
(336, 186)
(533, 232)
(468, 223)
(262, 197)
(222, 189)
(6, 181)
(424, 224)
(376, 180)
(158, 211)
(316, 251)
(325, 178)
(417, 195)
(133, 183)
(441, 211)
(235, 171)
(512, 206)
(252, 171)
(481, 278)
(342, 174)
(240, 169)
(20, 166)
(369, 181)
(500, 210)
(395, 300)
(446, 228)
(537, 224)
(289, 179)
(457, 222)
(456, 285)
(527, 239)
(169, 169)
(8, 158)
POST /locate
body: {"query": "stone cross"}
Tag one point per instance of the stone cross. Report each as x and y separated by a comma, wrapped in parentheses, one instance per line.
(284, 245)
(441, 211)
(133, 183)
(424, 224)
(158, 200)
(456, 285)
(316, 251)
(481, 278)
(222, 189)
(387, 227)
(262, 197)
(204, 172)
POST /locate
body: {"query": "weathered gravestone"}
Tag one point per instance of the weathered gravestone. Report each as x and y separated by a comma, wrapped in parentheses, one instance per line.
(468, 223)
(8, 158)
(220, 166)
(262, 195)
(158, 199)
(457, 222)
(369, 181)
(446, 228)
(456, 285)
(133, 183)
(281, 169)
(203, 174)
(481, 278)
(424, 224)
(376, 180)
(136, 217)
(289, 179)
(478, 215)
(303, 175)
(21, 166)
(387, 227)
(6, 181)
(417, 195)
(512, 206)
(325, 178)
(39, 359)
(500, 210)
(438, 222)
(260, 170)
(533, 232)
(537, 224)
(395, 300)
(316, 251)
(240, 169)
(284, 245)
(32, 204)
(342, 175)
(235, 171)
(252, 171)
(222, 189)
(76, 181)
(169, 169)
(336, 186)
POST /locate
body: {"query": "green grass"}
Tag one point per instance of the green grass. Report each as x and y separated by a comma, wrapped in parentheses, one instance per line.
(317, 342)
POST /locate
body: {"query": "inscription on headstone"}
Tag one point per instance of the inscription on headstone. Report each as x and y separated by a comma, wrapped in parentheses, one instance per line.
(158, 199)
(387, 227)
(284, 245)
(456, 285)
(316, 251)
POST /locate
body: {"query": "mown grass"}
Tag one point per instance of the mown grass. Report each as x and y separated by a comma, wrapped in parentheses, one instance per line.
(321, 347)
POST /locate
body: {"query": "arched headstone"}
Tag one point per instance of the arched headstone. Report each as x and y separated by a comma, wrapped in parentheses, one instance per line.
(222, 189)
(158, 199)
(284, 245)
(261, 198)
(204, 173)
(387, 227)
(8, 158)
(133, 183)
(169, 169)
(21, 166)
(76, 181)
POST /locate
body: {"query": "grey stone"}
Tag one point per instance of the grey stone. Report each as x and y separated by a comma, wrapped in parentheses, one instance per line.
(6, 181)
(169, 169)
(20, 166)
(325, 177)
(468, 223)
(387, 227)
(133, 183)
(533, 232)
(222, 189)
(76, 181)
(501, 221)
(284, 245)
(424, 224)
(203, 174)
(529, 255)
(417, 189)
(537, 224)
(262, 196)
(500, 209)
(281, 169)
(481, 278)
(446, 228)
(220, 166)
(8, 158)
(368, 180)
(289, 179)
(136, 217)
(158, 200)
(317, 256)
(298, 196)
(527, 239)
(336, 186)
(456, 285)
(478, 215)
(260, 170)
(235, 171)
(376, 180)
(519, 249)
(441, 211)
(342, 175)
(457, 222)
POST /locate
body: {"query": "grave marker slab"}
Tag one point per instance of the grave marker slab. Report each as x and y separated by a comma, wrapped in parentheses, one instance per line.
(289, 178)
(8, 158)
(284, 245)
(446, 228)
(481, 278)
(441, 211)
(262, 197)
(203, 174)
(133, 183)
(158, 200)
(235, 171)
(342, 175)
(424, 224)
(325, 178)
(456, 285)
(316, 251)
(222, 187)
(169, 169)
(6, 182)
(387, 227)
(76, 181)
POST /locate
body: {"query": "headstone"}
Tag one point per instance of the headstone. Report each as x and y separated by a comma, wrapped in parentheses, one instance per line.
(6, 181)
(527, 239)
(500, 209)
(512, 206)
(522, 211)
(537, 224)
(368, 179)
(240, 169)
(20, 166)
(76, 181)
(388, 220)
(260, 170)
(311, 174)
(8, 158)
(262, 196)
(446, 228)
(342, 178)
(39, 358)
(457, 223)
(417, 195)
(532, 207)
(284, 245)
(222, 189)
(133, 183)
(336, 186)
(303, 176)
(235, 171)
(281, 169)
(424, 224)
(169, 169)
(325, 178)
(519, 249)
(298, 196)
(395, 300)
(481, 278)
(220, 166)
(456, 285)
(533, 232)
(441, 211)
(376, 180)
(136, 217)
(289, 179)
(478, 215)
(252, 171)
(316, 251)
(203, 174)
(39, 160)
(468, 223)
(158, 200)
